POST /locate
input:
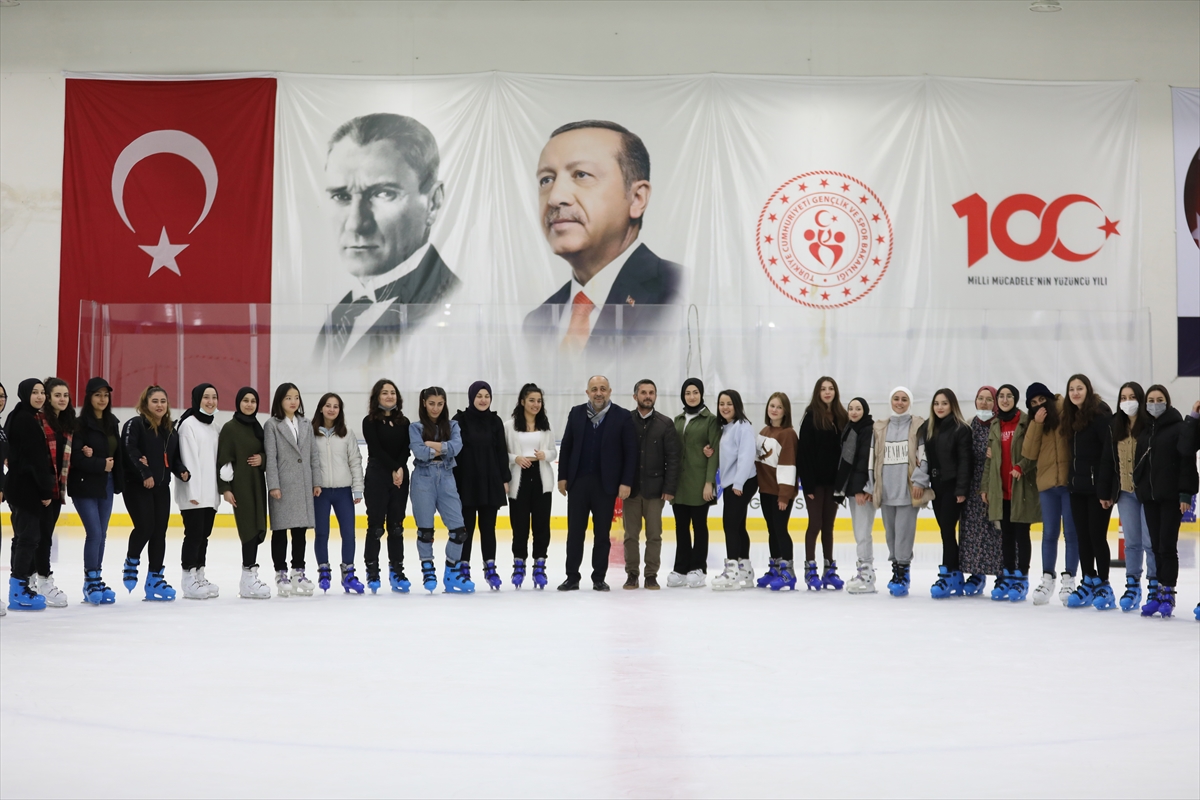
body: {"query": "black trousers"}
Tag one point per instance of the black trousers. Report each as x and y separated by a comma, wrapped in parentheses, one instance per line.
(250, 553)
(27, 528)
(779, 541)
(197, 526)
(150, 510)
(691, 552)
(47, 519)
(588, 498)
(733, 519)
(530, 508)
(385, 515)
(1163, 518)
(1014, 541)
(822, 510)
(947, 510)
(279, 548)
(487, 531)
(1091, 529)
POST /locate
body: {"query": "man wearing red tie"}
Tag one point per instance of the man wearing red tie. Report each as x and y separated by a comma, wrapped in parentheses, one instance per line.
(593, 188)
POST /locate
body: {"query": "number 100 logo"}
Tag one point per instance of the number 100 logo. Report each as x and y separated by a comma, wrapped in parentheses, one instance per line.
(975, 210)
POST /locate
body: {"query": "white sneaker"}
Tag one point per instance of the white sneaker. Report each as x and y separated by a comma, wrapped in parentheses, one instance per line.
(192, 590)
(695, 579)
(251, 587)
(728, 579)
(283, 584)
(1066, 587)
(55, 597)
(745, 573)
(301, 585)
(864, 581)
(675, 580)
(212, 589)
(1043, 593)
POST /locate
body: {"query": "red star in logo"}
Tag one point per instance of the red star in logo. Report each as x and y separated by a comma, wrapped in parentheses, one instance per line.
(845, 187)
(846, 292)
(835, 219)
(771, 260)
(1110, 228)
(879, 239)
(824, 295)
(824, 182)
(803, 187)
(875, 261)
(862, 199)
(768, 240)
(786, 279)
(864, 279)
(803, 292)
(874, 218)
(771, 217)
(783, 198)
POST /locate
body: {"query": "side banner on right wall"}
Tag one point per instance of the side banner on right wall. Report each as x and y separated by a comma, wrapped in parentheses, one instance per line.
(1185, 107)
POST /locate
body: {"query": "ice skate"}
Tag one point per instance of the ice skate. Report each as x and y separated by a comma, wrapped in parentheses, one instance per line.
(429, 576)
(23, 598)
(208, 586)
(676, 580)
(518, 573)
(1018, 587)
(696, 579)
(1152, 601)
(1166, 601)
(1084, 594)
(301, 585)
(350, 581)
(397, 579)
(93, 588)
(812, 578)
(898, 585)
(157, 588)
(490, 575)
(785, 576)
(772, 572)
(1045, 590)
(975, 584)
(1131, 600)
(251, 587)
(864, 581)
(728, 579)
(191, 588)
(324, 577)
(830, 579)
(1066, 587)
(948, 584)
(283, 584)
(745, 573)
(1003, 584)
(455, 580)
(373, 582)
(1105, 599)
(539, 573)
(55, 597)
(129, 574)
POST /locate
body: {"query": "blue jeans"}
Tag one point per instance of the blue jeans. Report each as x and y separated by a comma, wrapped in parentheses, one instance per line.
(341, 500)
(1137, 537)
(433, 489)
(94, 513)
(1056, 505)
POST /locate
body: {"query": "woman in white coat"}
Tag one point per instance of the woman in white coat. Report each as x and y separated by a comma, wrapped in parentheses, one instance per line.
(198, 497)
(531, 454)
(338, 473)
(288, 441)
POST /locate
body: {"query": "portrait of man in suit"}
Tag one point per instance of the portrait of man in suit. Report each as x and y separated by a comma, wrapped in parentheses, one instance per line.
(383, 196)
(593, 191)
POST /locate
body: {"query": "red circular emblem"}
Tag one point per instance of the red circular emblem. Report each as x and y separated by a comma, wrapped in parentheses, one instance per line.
(824, 239)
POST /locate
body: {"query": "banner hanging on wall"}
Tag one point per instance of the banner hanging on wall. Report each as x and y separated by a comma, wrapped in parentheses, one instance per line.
(1185, 108)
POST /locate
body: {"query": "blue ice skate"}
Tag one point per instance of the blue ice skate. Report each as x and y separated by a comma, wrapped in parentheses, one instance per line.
(518, 576)
(350, 581)
(831, 580)
(22, 598)
(397, 579)
(812, 578)
(489, 575)
(898, 585)
(539, 573)
(1018, 587)
(129, 573)
(93, 587)
(771, 574)
(455, 580)
(324, 577)
(948, 584)
(1003, 584)
(1104, 599)
(157, 588)
(785, 576)
(1132, 598)
(373, 582)
(975, 584)
(429, 576)
(1084, 593)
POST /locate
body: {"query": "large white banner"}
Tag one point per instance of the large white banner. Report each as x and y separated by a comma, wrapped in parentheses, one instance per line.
(916, 231)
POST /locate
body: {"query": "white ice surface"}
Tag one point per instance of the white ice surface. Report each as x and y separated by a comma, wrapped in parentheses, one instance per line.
(679, 693)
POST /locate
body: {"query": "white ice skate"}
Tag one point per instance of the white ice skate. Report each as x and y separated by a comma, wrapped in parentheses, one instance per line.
(55, 597)
(864, 581)
(675, 580)
(251, 587)
(1044, 591)
(301, 585)
(745, 573)
(192, 590)
(695, 579)
(1066, 587)
(728, 579)
(211, 588)
(283, 584)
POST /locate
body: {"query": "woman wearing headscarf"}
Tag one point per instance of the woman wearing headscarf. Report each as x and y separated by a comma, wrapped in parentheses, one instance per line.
(242, 481)
(855, 484)
(698, 428)
(1046, 444)
(58, 421)
(482, 474)
(1010, 490)
(198, 498)
(979, 551)
(29, 488)
(897, 497)
(97, 474)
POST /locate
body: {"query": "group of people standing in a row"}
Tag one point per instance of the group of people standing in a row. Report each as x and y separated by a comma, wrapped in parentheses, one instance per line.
(1063, 462)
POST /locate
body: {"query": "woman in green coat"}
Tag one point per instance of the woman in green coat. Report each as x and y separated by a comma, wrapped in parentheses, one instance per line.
(242, 482)
(700, 433)
(1009, 488)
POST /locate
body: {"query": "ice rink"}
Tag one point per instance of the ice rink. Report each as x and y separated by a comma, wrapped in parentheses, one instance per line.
(679, 693)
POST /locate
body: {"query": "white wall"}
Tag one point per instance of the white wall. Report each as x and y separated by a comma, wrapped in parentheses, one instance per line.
(1157, 43)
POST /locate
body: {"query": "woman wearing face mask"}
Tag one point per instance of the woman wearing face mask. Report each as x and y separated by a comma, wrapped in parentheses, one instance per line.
(979, 551)
(1166, 479)
(1127, 424)
(29, 490)
(198, 498)
(97, 474)
(818, 455)
(242, 482)
(385, 429)
(436, 441)
(1010, 491)
(856, 484)
(896, 495)
(776, 470)
(288, 442)
(1047, 445)
(698, 429)
(58, 423)
(151, 454)
(481, 474)
(739, 482)
(337, 468)
(1094, 479)
(944, 447)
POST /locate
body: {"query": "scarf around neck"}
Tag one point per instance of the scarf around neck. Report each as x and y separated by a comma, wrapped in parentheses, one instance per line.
(595, 416)
(60, 476)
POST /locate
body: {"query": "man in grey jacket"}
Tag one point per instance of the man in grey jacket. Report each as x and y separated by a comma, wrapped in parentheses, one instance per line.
(655, 481)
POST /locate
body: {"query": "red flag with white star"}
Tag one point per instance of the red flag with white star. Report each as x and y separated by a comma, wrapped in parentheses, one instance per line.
(165, 267)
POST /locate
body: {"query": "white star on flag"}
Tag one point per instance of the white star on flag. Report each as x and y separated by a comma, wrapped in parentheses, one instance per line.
(164, 254)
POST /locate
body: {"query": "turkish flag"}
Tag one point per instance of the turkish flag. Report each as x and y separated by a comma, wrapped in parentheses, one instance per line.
(165, 267)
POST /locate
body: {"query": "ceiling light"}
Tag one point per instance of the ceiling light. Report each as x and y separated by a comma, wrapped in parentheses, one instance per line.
(1045, 6)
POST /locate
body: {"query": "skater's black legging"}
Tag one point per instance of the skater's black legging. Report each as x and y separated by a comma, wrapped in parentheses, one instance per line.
(691, 553)
(47, 519)
(197, 526)
(947, 509)
(822, 510)
(150, 511)
(779, 541)
(1163, 518)
(733, 519)
(385, 503)
(250, 553)
(1014, 540)
(487, 531)
(1091, 530)
(279, 548)
(530, 508)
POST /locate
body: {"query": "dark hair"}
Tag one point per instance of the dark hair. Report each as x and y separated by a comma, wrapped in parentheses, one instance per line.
(61, 421)
(414, 141)
(434, 431)
(633, 158)
(1158, 387)
(1122, 426)
(280, 393)
(826, 417)
(1074, 418)
(638, 385)
(374, 412)
(540, 422)
(143, 407)
(955, 412)
(108, 420)
(739, 410)
(1052, 415)
(786, 422)
(339, 424)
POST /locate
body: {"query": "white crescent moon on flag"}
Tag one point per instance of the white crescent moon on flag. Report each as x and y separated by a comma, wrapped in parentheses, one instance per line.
(176, 142)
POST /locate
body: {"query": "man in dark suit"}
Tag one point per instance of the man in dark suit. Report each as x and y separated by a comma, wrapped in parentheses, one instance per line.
(593, 189)
(596, 464)
(382, 181)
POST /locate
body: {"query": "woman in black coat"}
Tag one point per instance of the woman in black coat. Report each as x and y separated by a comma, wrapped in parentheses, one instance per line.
(29, 488)
(385, 482)
(482, 474)
(1165, 477)
(97, 474)
(946, 468)
(818, 454)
